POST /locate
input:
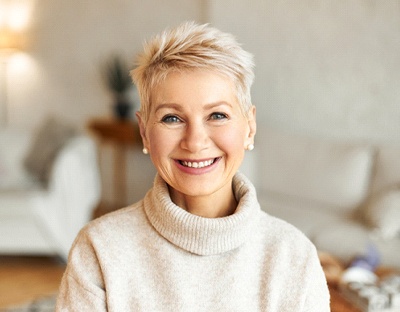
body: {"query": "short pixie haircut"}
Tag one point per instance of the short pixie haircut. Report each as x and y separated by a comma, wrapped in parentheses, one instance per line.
(189, 47)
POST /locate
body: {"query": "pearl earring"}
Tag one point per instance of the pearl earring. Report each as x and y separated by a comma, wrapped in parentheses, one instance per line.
(250, 147)
(145, 151)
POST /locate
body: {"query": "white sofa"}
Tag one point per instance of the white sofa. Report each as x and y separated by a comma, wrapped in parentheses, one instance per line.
(39, 220)
(342, 195)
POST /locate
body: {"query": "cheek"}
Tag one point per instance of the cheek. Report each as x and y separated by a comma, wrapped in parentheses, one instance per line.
(161, 142)
(232, 140)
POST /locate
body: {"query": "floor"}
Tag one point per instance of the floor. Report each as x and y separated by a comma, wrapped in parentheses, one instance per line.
(23, 279)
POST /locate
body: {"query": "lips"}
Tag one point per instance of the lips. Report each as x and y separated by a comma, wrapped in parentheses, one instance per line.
(197, 164)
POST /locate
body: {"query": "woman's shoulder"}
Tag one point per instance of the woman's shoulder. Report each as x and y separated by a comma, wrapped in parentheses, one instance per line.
(111, 232)
(120, 219)
(282, 232)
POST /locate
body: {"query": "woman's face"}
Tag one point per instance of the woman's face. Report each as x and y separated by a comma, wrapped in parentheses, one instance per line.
(196, 133)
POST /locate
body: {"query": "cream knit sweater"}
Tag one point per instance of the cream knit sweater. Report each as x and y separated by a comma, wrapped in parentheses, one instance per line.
(155, 256)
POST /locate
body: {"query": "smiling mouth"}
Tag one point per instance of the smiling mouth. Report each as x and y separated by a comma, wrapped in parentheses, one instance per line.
(195, 164)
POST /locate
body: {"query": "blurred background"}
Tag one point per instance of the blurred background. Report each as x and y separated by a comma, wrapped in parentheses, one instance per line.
(324, 68)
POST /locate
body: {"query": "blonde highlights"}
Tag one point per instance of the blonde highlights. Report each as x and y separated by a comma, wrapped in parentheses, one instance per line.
(190, 47)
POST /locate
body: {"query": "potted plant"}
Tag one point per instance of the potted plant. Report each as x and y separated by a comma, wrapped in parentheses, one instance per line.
(116, 76)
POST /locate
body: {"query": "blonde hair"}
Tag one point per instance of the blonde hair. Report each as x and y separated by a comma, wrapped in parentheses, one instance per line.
(190, 47)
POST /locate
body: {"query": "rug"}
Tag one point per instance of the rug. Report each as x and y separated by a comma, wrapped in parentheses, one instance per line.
(43, 304)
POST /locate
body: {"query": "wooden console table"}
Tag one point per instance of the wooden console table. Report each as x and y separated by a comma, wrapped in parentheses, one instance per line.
(121, 135)
(339, 303)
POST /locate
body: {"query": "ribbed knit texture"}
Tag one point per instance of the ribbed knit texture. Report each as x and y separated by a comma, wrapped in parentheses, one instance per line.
(202, 236)
(155, 256)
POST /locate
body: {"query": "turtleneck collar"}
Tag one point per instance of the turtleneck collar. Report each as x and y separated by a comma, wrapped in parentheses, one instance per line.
(199, 235)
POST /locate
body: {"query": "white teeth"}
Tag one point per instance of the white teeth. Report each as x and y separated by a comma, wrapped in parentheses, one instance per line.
(201, 164)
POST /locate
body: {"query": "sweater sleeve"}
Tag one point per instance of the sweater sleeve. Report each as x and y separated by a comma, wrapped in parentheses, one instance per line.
(317, 297)
(82, 286)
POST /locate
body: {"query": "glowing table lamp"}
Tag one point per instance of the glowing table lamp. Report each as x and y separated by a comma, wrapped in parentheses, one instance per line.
(10, 42)
(14, 18)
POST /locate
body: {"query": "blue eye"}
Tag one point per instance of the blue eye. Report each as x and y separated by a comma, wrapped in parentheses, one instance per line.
(170, 119)
(218, 116)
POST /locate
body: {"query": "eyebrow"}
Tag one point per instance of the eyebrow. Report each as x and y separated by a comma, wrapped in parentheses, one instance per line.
(178, 107)
(216, 104)
(167, 105)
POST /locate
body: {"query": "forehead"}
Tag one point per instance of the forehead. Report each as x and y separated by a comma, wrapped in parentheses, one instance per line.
(197, 85)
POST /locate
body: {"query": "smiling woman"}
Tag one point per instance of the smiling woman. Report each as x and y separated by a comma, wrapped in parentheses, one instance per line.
(198, 241)
(204, 125)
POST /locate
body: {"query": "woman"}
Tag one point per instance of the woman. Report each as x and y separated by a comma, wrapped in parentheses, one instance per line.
(198, 241)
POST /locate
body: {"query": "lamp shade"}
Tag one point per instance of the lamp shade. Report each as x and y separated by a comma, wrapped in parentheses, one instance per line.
(10, 41)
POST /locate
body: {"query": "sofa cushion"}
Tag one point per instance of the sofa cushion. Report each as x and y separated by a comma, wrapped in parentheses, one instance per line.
(17, 203)
(49, 138)
(309, 217)
(335, 174)
(345, 239)
(349, 239)
(387, 168)
(382, 213)
(13, 146)
(332, 232)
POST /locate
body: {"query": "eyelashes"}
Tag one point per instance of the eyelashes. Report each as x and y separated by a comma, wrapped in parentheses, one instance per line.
(218, 116)
(173, 119)
(170, 119)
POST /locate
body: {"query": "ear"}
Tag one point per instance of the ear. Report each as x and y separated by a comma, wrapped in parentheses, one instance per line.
(142, 129)
(251, 120)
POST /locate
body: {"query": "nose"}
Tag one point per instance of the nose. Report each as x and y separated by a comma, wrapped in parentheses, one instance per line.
(195, 138)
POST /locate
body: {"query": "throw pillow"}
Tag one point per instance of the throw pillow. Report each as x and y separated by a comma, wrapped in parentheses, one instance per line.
(13, 147)
(383, 213)
(50, 137)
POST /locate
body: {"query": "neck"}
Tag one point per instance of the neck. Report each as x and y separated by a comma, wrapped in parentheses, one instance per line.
(217, 205)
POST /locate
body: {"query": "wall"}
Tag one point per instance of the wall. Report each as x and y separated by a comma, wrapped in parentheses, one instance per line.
(324, 67)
